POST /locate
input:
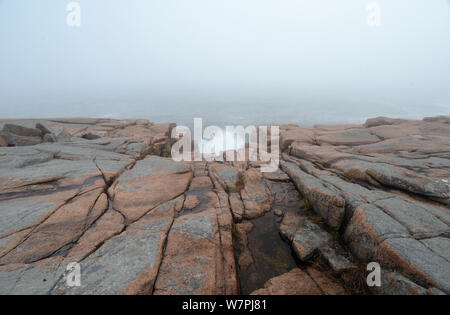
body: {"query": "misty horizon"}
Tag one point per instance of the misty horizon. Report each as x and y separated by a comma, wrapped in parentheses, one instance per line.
(228, 62)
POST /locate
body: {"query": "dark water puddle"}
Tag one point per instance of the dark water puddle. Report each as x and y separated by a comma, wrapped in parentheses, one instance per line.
(271, 255)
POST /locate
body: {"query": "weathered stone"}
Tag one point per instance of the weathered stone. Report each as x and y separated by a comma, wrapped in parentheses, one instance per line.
(152, 182)
(192, 259)
(22, 131)
(3, 142)
(167, 227)
(416, 260)
(200, 169)
(381, 121)
(278, 212)
(191, 202)
(15, 140)
(245, 255)
(295, 282)
(21, 213)
(356, 170)
(327, 285)
(308, 238)
(108, 225)
(19, 157)
(348, 137)
(44, 130)
(62, 228)
(63, 136)
(34, 279)
(339, 127)
(127, 263)
(336, 258)
(278, 176)
(230, 178)
(237, 207)
(8, 243)
(325, 200)
(286, 196)
(354, 194)
(368, 227)
(42, 174)
(69, 152)
(289, 135)
(394, 177)
(228, 260)
(289, 225)
(325, 155)
(90, 136)
(299, 282)
(49, 138)
(132, 147)
(439, 245)
(441, 119)
(435, 291)
(200, 195)
(305, 236)
(257, 198)
(415, 218)
(393, 283)
(245, 258)
(399, 144)
(53, 204)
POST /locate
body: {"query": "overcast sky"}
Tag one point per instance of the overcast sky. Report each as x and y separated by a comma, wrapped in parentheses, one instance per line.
(230, 61)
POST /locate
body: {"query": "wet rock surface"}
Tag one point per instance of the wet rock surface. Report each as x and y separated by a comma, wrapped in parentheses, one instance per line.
(105, 194)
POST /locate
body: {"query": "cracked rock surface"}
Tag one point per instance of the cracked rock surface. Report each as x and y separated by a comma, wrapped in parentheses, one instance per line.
(105, 194)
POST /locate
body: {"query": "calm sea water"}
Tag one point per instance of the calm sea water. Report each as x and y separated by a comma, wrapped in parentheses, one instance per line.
(222, 115)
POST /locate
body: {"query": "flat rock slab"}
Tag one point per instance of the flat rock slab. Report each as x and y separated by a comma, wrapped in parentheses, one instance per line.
(349, 137)
(393, 283)
(308, 238)
(277, 176)
(368, 227)
(419, 222)
(63, 227)
(111, 223)
(336, 258)
(255, 195)
(200, 195)
(300, 282)
(325, 200)
(416, 260)
(22, 213)
(34, 279)
(127, 263)
(193, 262)
(439, 245)
(152, 182)
(229, 177)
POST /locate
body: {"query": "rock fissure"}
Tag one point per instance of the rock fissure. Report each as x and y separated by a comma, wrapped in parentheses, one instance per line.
(104, 194)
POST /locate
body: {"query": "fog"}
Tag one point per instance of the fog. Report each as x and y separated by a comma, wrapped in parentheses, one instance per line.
(226, 61)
